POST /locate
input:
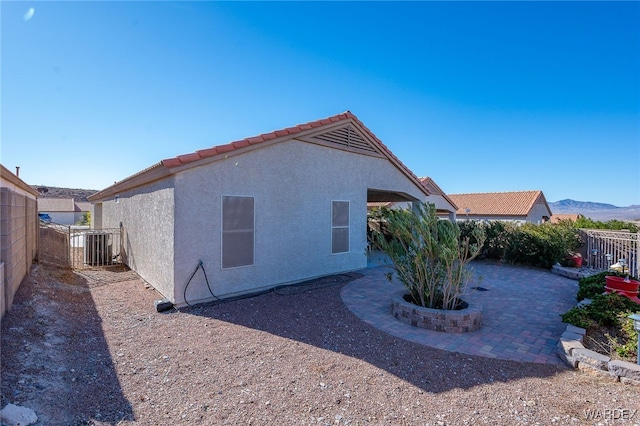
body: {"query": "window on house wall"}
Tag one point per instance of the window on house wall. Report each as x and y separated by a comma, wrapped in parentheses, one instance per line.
(339, 227)
(237, 231)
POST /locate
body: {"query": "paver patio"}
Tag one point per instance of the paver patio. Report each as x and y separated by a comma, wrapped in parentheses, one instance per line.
(520, 311)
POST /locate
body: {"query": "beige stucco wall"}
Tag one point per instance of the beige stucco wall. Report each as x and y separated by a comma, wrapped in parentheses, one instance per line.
(18, 237)
(293, 184)
(537, 212)
(147, 217)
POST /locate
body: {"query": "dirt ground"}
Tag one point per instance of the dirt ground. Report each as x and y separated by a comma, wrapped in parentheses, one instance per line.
(90, 349)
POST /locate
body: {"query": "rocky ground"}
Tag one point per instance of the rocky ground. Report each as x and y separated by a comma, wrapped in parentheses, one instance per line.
(90, 349)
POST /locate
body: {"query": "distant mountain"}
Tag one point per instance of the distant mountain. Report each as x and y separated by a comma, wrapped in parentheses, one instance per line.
(596, 211)
(56, 192)
(566, 205)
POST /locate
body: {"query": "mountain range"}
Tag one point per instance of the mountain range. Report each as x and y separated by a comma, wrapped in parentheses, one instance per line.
(596, 211)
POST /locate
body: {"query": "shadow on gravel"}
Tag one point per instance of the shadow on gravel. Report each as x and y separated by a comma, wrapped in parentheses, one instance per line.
(313, 313)
(55, 358)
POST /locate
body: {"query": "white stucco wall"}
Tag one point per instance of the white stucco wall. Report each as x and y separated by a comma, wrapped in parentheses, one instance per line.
(293, 184)
(63, 218)
(537, 212)
(147, 216)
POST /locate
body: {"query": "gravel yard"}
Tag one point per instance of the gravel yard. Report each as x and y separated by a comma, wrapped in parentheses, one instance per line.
(90, 349)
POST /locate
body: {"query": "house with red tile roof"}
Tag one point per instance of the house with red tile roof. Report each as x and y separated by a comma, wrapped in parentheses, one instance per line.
(557, 217)
(517, 206)
(279, 208)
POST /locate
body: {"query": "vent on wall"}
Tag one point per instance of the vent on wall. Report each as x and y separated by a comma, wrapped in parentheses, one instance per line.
(347, 137)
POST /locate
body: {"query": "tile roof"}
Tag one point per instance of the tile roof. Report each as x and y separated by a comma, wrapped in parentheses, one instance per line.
(433, 188)
(180, 162)
(555, 218)
(289, 131)
(517, 203)
(82, 206)
(56, 205)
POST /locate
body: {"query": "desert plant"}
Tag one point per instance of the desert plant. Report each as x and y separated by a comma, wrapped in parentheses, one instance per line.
(428, 254)
(626, 342)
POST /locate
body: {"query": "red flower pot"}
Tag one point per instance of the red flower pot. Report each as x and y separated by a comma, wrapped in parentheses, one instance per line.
(619, 285)
(577, 261)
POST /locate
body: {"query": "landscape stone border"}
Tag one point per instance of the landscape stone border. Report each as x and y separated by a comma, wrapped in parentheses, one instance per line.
(572, 351)
(449, 321)
(574, 273)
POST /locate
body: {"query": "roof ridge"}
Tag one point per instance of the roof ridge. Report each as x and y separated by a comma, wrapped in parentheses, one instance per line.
(499, 192)
(253, 140)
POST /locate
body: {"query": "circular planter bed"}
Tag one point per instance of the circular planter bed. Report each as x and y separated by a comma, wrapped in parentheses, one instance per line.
(450, 321)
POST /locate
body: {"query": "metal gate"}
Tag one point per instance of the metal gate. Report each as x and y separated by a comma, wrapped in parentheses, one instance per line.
(79, 247)
(605, 248)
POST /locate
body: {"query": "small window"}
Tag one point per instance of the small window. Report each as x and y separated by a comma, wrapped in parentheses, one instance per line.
(237, 231)
(339, 227)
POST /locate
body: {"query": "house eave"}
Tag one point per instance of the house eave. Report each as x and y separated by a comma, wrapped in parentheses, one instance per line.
(147, 176)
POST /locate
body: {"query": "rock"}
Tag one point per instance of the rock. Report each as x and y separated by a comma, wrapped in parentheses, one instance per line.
(15, 415)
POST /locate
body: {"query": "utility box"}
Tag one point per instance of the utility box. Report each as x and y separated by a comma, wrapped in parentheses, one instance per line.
(97, 249)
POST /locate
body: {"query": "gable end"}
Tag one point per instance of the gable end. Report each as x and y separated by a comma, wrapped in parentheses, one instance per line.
(345, 137)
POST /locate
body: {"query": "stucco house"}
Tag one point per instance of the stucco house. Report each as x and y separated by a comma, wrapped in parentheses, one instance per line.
(64, 211)
(517, 206)
(278, 208)
(445, 207)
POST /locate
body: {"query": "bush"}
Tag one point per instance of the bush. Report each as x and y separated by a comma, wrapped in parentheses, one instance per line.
(605, 310)
(616, 225)
(497, 235)
(528, 244)
(428, 254)
(625, 344)
(589, 287)
(541, 245)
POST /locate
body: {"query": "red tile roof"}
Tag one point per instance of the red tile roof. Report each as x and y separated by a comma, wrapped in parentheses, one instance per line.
(517, 203)
(164, 168)
(433, 188)
(556, 218)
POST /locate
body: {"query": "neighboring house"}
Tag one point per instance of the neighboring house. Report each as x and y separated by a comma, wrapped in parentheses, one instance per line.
(556, 218)
(519, 206)
(445, 208)
(274, 209)
(64, 211)
(18, 234)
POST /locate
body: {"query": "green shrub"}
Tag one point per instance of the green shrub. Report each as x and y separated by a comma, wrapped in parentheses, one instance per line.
(579, 316)
(617, 225)
(497, 234)
(541, 245)
(604, 309)
(428, 254)
(588, 287)
(626, 343)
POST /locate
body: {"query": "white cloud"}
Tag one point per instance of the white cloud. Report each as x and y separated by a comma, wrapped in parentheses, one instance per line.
(29, 14)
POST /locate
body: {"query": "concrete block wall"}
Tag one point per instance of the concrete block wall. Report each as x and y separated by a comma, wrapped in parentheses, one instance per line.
(18, 240)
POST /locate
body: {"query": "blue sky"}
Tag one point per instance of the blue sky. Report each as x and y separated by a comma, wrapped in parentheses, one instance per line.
(480, 96)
